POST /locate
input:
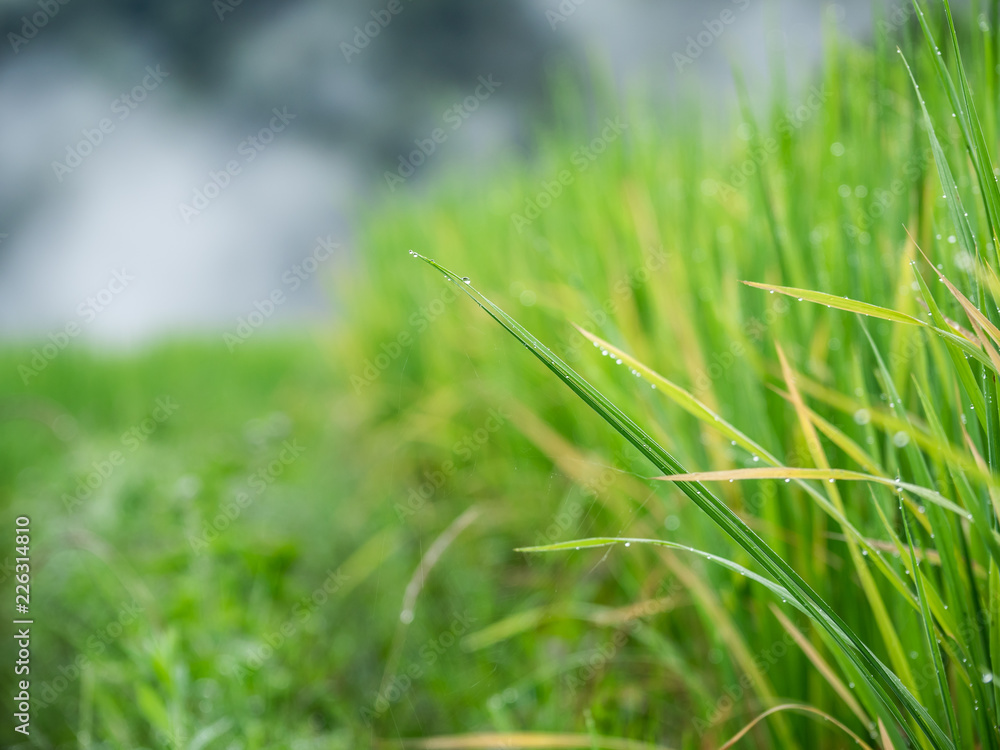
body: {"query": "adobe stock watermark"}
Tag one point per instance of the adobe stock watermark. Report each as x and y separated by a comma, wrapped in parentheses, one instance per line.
(31, 25)
(87, 312)
(256, 484)
(562, 521)
(453, 117)
(598, 316)
(390, 351)
(580, 161)
(364, 33)
(562, 12)
(97, 643)
(896, 18)
(302, 612)
(464, 450)
(753, 329)
(604, 654)
(291, 280)
(714, 28)
(223, 8)
(788, 124)
(248, 149)
(430, 651)
(733, 693)
(164, 407)
(883, 199)
(122, 106)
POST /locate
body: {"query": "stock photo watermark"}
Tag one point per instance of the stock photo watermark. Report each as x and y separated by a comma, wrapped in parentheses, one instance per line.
(255, 486)
(604, 654)
(789, 123)
(122, 107)
(97, 643)
(734, 692)
(580, 161)
(32, 24)
(882, 199)
(464, 450)
(103, 468)
(391, 350)
(365, 33)
(454, 117)
(754, 329)
(562, 12)
(291, 280)
(87, 312)
(599, 315)
(223, 8)
(248, 149)
(429, 652)
(302, 612)
(713, 29)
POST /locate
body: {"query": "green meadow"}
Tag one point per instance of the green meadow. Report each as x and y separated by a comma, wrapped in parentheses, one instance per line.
(681, 432)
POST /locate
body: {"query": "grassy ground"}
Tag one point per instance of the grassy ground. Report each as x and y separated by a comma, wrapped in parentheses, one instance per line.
(316, 547)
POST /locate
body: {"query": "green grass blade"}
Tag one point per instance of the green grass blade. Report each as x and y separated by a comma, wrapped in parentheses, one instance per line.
(879, 678)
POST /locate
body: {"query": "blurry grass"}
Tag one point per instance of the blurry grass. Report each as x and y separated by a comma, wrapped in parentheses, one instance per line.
(416, 409)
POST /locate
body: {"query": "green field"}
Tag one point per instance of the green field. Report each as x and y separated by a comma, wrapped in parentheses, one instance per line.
(314, 542)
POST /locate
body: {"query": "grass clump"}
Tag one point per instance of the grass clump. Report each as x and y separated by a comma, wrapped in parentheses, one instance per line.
(862, 413)
(788, 537)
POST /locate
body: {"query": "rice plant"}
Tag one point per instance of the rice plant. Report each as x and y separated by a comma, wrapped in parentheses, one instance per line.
(890, 437)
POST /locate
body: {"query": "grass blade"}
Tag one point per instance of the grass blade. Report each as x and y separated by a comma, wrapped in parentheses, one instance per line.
(877, 676)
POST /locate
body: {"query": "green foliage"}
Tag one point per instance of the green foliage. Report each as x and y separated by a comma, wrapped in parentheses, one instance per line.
(831, 560)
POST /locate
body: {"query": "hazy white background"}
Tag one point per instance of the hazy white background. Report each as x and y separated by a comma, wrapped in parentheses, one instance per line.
(61, 240)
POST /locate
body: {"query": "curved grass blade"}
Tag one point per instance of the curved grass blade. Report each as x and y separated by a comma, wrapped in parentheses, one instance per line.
(830, 475)
(874, 311)
(525, 740)
(578, 544)
(802, 708)
(707, 415)
(879, 678)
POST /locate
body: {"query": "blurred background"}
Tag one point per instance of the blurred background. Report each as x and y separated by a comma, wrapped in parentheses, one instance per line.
(185, 89)
(237, 537)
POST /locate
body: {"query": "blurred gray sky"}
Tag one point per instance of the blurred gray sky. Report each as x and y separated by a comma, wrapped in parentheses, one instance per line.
(167, 167)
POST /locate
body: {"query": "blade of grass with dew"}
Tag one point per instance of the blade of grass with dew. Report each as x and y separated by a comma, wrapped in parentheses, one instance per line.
(579, 544)
(935, 446)
(885, 625)
(965, 110)
(930, 635)
(881, 680)
(873, 311)
(704, 413)
(959, 217)
(821, 664)
(830, 475)
(574, 465)
(961, 582)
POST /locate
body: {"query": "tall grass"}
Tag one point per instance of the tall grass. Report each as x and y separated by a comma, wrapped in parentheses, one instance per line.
(775, 527)
(832, 426)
